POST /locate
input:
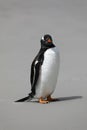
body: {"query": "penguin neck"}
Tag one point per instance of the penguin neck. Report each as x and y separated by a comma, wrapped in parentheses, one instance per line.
(44, 46)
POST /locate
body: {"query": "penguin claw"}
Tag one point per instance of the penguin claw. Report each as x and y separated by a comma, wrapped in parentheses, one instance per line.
(42, 101)
(50, 99)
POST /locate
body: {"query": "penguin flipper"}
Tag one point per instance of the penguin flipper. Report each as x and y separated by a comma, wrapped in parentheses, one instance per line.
(35, 71)
(35, 66)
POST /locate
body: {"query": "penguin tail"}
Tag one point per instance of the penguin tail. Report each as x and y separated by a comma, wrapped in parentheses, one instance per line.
(26, 99)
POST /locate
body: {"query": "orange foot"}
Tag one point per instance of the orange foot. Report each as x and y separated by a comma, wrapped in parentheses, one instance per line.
(42, 101)
(50, 99)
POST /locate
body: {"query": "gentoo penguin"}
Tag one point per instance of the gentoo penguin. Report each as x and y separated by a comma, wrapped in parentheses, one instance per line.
(44, 71)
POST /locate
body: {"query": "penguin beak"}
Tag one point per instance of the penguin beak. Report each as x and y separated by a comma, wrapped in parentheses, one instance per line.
(49, 40)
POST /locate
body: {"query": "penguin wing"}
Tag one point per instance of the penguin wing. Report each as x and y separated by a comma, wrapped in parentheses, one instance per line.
(32, 73)
(35, 70)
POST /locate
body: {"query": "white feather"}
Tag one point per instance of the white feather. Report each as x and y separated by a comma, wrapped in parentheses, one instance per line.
(42, 38)
(49, 73)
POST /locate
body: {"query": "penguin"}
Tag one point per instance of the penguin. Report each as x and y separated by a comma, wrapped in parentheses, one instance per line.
(44, 71)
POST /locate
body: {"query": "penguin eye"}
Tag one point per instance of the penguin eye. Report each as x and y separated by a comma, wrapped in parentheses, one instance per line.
(47, 38)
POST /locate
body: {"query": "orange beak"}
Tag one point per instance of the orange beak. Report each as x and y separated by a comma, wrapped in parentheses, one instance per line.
(49, 40)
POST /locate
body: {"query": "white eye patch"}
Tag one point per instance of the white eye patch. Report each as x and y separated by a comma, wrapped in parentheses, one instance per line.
(42, 38)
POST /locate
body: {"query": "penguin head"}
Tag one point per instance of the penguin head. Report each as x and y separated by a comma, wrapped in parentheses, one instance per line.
(47, 38)
(47, 41)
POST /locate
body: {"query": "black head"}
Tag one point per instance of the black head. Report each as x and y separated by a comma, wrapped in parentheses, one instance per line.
(46, 41)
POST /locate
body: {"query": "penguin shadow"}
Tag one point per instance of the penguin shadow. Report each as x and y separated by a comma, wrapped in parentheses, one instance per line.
(60, 99)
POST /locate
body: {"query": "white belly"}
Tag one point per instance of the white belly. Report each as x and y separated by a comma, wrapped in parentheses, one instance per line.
(49, 73)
